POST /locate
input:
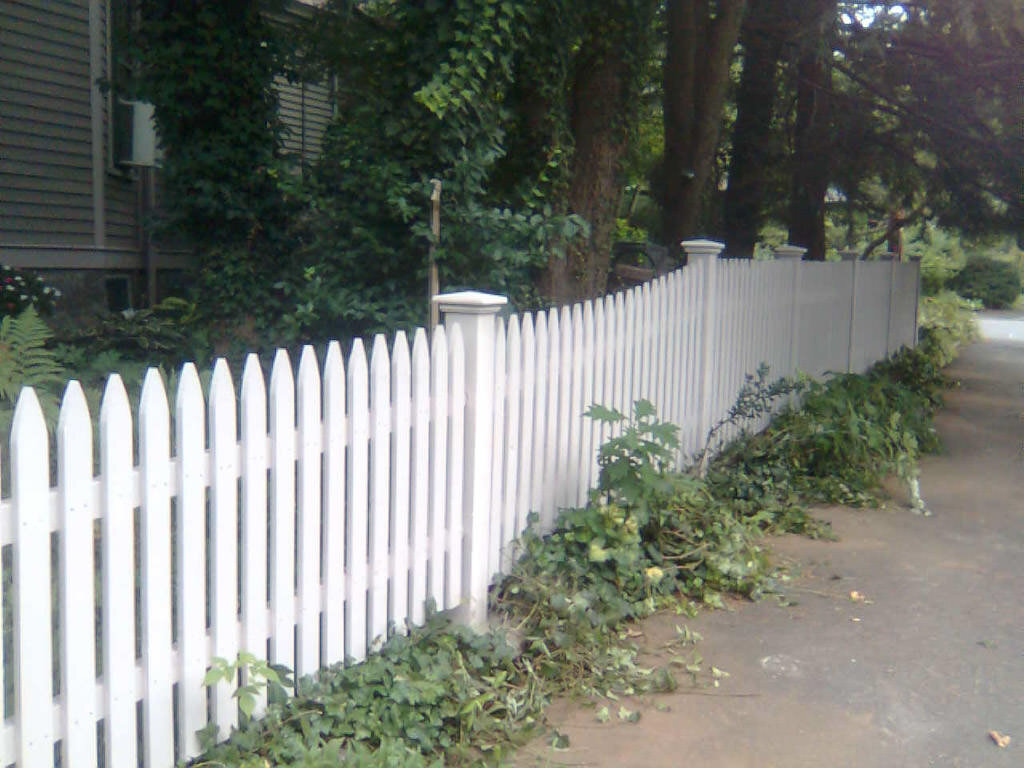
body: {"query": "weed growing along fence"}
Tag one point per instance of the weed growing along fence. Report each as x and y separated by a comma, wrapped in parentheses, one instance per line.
(304, 521)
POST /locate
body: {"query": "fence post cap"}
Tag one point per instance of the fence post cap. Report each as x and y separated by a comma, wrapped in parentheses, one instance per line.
(702, 247)
(470, 302)
(789, 251)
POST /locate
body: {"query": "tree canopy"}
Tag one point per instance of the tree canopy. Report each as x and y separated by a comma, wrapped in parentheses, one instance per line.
(531, 113)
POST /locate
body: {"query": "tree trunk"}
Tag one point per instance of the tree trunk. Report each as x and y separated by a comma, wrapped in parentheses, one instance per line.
(812, 138)
(597, 96)
(696, 79)
(752, 156)
(601, 102)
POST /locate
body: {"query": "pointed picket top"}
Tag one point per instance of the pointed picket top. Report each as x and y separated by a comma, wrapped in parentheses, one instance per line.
(222, 397)
(400, 353)
(282, 381)
(74, 427)
(190, 390)
(358, 366)
(153, 408)
(115, 407)
(253, 384)
(309, 368)
(26, 411)
(380, 362)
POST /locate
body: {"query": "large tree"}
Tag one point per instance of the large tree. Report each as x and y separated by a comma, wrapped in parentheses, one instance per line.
(700, 42)
(757, 151)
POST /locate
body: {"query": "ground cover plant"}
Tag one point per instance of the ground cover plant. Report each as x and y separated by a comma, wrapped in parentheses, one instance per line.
(648, 539)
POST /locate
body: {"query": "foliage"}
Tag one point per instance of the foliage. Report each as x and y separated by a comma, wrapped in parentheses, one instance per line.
(996, 284)
(942, 254)
(424, 95)
(26, 362)
(945, 322)
(440, 695)
(847, 436)
(259, 676)
(20, 289)
(166, 335)
(207, 68)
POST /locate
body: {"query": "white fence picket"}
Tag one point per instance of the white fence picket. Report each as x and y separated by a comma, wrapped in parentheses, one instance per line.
(77, 592)
(253, 409)
(118, 576)
(525, 499)
(420, 478)
(438, 466)
(587, 366)
(380, 477)
(32, 634)
(155, 529)
(335, 439)
(308, 511)
(282, 510)
(498, 447)
(553, 378)
(401, 399)
(456, 448)
(191, 548)
(357, 521)
(511, 434)
(223, 537)
(542, 386)
(574, 414)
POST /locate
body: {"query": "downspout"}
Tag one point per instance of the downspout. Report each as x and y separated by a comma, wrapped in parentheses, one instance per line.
(96, 110)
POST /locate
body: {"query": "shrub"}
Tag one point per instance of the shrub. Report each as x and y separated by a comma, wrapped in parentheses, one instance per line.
(996, 284)
(945, 322)
(20, 290)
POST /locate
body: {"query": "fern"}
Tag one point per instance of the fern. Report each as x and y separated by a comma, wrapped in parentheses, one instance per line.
(26, 362)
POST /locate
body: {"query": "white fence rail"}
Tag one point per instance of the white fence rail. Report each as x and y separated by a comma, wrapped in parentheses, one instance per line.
(305, 521)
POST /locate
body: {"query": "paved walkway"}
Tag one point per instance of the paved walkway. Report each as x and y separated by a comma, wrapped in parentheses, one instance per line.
(916, 674)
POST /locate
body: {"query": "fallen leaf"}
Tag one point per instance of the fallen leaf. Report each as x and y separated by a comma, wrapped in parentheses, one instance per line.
(855, 619)
(1002, 741)
(857, 597)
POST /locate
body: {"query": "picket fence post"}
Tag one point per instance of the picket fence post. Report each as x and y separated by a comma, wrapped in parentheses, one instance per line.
(703, 255)
(475, 314)
(794, 253)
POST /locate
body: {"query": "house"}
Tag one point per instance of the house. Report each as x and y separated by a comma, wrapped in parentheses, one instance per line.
(76, 175)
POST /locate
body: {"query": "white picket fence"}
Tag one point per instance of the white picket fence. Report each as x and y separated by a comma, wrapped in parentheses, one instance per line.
(307, 521)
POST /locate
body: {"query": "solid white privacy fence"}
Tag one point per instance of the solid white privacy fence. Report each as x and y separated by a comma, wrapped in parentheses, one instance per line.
(305, 521)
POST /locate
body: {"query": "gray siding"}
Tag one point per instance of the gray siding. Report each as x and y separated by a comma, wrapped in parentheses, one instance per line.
(45, 140)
